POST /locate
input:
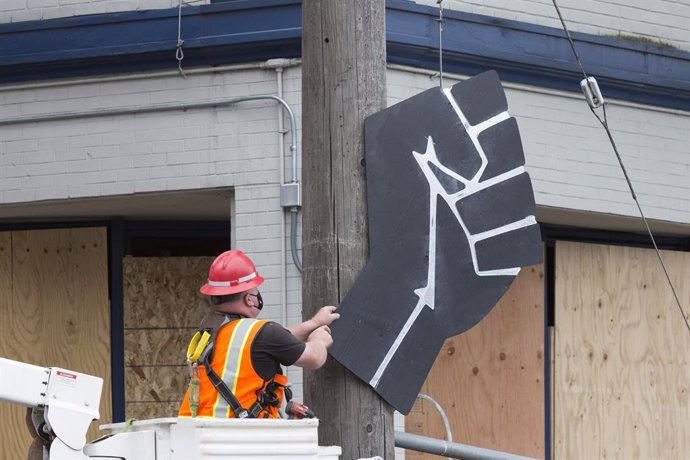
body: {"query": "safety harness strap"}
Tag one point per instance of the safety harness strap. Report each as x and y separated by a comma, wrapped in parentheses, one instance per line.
(201, 351)
(224, 391)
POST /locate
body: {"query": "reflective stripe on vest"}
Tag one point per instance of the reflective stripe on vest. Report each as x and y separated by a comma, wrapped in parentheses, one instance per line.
(238, 353)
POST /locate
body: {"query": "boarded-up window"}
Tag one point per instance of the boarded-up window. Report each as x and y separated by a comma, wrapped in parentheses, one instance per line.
(622, 367)
(54, 311)
(489, 380)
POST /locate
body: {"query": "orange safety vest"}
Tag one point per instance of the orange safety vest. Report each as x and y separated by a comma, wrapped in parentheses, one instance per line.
(232, 362)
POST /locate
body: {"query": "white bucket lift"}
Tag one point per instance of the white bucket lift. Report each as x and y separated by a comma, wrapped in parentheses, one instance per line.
(64, 403)
(206, 438)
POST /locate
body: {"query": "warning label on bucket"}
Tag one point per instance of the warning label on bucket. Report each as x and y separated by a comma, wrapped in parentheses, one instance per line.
(65, 378)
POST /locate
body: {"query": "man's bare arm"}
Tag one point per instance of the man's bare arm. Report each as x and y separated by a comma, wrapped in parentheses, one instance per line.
(324, 317)
(316, 350)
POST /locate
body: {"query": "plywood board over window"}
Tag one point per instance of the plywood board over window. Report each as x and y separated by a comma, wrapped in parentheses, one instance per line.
(55, 312)
(622, 367)
(489, 380)
(163, 307)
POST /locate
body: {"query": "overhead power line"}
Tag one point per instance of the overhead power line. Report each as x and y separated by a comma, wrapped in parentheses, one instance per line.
(595, 100)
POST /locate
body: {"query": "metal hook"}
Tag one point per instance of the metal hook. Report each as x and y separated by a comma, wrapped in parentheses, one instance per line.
(440, 42)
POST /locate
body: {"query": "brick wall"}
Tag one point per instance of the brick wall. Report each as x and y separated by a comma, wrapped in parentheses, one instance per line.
(665, 20)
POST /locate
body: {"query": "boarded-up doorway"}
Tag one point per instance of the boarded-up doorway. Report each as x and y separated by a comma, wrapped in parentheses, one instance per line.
(622, 367)
(490, 379)
(163, 308)
(54, 311)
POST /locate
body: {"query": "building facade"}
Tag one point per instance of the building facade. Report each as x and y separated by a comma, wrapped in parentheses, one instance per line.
(151, 129)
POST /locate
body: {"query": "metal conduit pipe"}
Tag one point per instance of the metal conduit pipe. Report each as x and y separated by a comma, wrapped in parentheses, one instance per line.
(450, 449)
(293, 236)
(294, 210)
(283, 252)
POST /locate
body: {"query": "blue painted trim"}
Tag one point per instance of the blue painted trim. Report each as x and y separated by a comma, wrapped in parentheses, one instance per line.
(254, 30)
(537, 55)
(213, 35)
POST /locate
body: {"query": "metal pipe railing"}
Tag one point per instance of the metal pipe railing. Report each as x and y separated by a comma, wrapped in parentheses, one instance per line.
(450, 449)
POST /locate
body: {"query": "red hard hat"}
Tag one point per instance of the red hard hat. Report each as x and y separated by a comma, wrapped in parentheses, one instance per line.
(231, 272)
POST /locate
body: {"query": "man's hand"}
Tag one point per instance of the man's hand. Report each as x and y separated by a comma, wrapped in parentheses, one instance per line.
(323, 335)
(326, 315)
(315, 354)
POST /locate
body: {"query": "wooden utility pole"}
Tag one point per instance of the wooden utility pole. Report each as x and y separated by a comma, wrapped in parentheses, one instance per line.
(343, 81)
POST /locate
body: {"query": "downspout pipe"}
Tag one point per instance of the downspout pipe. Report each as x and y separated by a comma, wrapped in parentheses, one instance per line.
(450, 449)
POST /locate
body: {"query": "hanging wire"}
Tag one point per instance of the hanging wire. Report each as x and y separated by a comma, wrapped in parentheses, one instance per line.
(179, 54)
(605, 124)
(440, 42)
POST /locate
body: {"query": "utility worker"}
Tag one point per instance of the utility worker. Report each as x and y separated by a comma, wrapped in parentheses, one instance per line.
(235, 360)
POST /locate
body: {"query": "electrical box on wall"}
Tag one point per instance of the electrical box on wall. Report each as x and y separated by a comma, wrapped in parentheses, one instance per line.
(291, 195)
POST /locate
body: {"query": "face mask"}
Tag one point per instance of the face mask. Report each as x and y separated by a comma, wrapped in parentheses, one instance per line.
(259, 299)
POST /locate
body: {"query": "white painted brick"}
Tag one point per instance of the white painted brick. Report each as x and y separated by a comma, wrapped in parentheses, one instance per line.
(134, 123)
(78, 191)
(134, 174)
(101, 125)
(38, 156)
(183, 183)
(69, 179)
(53, 143)
(12, 5)
(154, 159)
(100, 177)
(59, 12)
(116, 163)
(28, 145)
(150, 185)
(165, 171)
(11, 159)
(177, 157)
(21, 16)
(37, 4)
(117, 188)
(89, 165)
(19, 196)
(48, 168)
(51, 193)
(198, 169)
(215, 181)
(265, 218)
(91, 140)
(9, 184)
(105, 151)
(204, 143)
(17, 170)
(70, 154)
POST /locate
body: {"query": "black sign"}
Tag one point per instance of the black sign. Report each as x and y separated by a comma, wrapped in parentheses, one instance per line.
(451, 221)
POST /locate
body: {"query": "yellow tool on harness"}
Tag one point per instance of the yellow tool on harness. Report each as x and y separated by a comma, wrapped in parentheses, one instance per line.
(197, 345)
(194, 351)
